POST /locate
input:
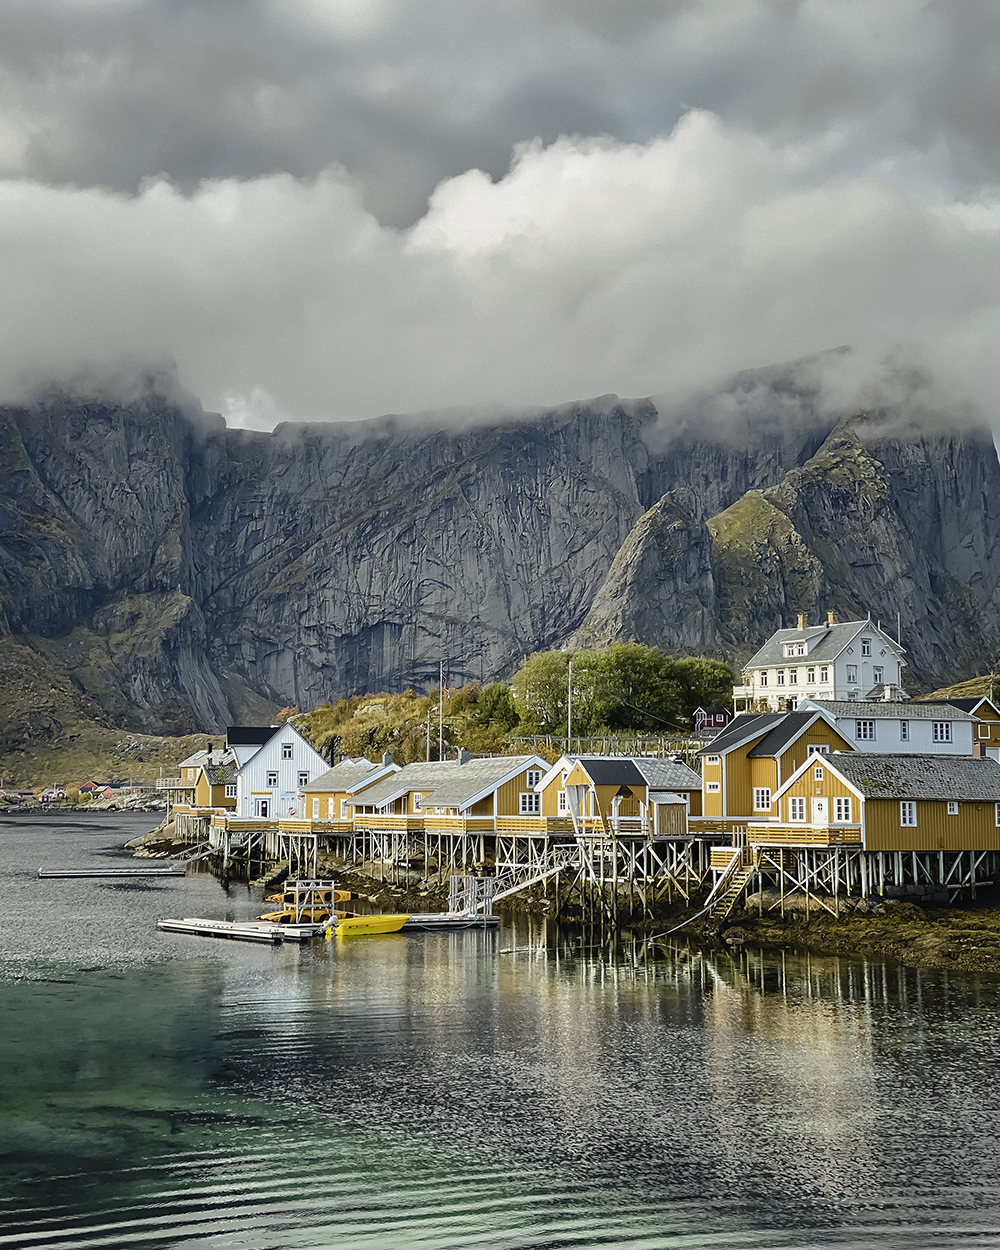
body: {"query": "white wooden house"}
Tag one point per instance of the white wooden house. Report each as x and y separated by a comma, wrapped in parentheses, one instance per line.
(272, 776)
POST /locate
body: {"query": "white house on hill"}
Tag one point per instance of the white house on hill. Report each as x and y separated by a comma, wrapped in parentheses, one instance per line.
(839, 661)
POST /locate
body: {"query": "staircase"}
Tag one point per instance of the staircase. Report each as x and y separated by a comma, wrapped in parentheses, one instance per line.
(732, 885)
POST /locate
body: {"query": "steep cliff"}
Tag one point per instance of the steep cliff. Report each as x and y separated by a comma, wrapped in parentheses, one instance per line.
(182, 574)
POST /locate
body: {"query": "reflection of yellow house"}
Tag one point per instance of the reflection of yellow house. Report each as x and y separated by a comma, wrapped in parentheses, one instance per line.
(329, 797)
(884, 802)
(747, 763)
(615, 793)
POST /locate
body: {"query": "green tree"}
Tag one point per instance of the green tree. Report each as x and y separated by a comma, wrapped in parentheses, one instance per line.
(540, 686)
(704, 683)
(496, 707)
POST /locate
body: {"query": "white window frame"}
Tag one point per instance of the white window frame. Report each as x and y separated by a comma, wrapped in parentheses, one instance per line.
(562, 804)
(877, 674)
(529, 803)
(345, 811)
(763, 678)
(532, 777)
(842, 810)
(904, 731)
(713, 787)
(303, 777)
(941, 730)
(810, 677)
(272, 777)
(982, 731)
(866, 646)
(824, 672)
(793, 676)
(864, 730)
(817, 748)
(953, 807)
(762, 798)
(852, 674)
(315, 809)
(329, 808)
(713, 759)
(817, 774)
(780, 676)
(797, 810)
(287, 751)
(997, 814)
(908, 814)
(231, 790)
(418, 801)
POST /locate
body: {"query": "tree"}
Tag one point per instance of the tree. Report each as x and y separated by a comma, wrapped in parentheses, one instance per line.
(704, 683)
(496, 707)
(540, 687)
(286, 715)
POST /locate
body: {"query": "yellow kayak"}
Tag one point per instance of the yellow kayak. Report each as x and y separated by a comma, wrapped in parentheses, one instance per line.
(360, 926)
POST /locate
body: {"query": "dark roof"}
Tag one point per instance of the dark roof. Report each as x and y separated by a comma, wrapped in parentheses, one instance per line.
(250, 735)
(964, 705)
(742, 729)
(791, 725)
(611, 772)
(961, 777)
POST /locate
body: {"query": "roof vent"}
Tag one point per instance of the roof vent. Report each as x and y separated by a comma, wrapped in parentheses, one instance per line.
(386, 758)
(464, 756)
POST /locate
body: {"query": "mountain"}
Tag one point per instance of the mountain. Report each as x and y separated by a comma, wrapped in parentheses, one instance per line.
(180, 574)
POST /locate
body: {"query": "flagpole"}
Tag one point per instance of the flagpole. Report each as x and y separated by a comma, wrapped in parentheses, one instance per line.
(441, 713)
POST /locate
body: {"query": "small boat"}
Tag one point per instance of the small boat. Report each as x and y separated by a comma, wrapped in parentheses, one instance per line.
(362, 926)
(290, 897)
(301, 915)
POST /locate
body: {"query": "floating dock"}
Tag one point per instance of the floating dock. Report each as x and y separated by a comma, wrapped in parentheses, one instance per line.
(430, 921)
(175, 871)
(241, 930)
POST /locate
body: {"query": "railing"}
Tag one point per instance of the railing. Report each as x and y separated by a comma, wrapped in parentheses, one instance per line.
(458, 824)
(722, 856)
(292, 824)
(804, 835)
(174, 783)
(539, 825)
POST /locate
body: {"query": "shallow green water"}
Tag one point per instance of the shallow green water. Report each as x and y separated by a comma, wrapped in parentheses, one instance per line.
(161, 1091)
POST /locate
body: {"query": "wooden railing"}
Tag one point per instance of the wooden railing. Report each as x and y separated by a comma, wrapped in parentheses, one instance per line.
(804, 835)
(174, 783)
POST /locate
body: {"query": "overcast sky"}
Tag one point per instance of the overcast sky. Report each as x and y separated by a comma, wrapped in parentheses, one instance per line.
(339, 208)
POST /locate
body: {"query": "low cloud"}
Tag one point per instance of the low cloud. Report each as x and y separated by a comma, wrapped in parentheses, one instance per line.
(592, 266)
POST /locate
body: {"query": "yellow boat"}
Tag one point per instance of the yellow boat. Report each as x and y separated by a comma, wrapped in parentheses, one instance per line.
(300, 915)
(289, 897)
(361, 926)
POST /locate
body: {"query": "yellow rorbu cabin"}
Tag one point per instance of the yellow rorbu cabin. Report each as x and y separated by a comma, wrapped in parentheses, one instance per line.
(329, 798)
(887, 803)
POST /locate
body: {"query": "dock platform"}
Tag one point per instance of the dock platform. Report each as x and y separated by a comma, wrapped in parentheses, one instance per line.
(126, 873)
(241, 931)
(433, 921)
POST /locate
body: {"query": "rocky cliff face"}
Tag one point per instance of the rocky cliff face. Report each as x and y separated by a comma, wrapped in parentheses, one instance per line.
(182, 574)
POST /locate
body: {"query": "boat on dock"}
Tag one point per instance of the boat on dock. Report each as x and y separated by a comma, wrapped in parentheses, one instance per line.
(241, 930)
(363, 926)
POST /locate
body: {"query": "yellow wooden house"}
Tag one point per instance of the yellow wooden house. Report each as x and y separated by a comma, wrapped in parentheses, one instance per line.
(329, 798)
(987, 731)
(748, 763)
(886, 803)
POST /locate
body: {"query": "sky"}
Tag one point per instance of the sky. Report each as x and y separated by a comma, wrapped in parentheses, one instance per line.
(334, 209)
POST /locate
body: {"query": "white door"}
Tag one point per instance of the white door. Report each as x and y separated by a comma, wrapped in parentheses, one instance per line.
(263, 807)
(821, 812)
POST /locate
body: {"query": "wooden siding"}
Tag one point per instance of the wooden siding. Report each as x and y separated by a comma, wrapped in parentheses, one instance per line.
(820, 734)
(712, 802)
(973, 829)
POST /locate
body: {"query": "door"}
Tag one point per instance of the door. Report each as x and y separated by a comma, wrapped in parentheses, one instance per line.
(821, 812)
(263, 807)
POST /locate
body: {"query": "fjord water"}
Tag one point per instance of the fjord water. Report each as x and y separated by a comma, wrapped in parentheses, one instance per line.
(158, 1090)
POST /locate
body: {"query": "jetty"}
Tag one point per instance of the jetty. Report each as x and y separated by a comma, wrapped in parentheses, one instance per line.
(176, 870)
(241, 930)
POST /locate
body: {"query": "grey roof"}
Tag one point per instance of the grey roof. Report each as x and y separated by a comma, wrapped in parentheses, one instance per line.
(667, 774)
(970, 705)
(347, 775)
(450, 783)
(218, 756)
(746, 726)
(222, 774)
(828, 641)
(896, 694)
(792, 724)
(961, 777)
(892, 711)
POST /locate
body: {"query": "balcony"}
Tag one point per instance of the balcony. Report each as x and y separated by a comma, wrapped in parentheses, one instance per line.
(765, 833)
(174, 783)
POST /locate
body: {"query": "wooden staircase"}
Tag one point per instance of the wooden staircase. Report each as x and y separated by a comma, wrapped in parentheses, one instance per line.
(733, 884)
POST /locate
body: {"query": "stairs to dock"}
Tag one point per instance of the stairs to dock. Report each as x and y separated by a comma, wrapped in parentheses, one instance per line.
(733, 884)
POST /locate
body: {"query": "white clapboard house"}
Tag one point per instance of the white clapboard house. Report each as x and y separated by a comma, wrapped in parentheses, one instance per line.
(275, 765)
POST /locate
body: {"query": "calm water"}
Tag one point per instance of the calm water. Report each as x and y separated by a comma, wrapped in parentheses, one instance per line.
(429, 1091)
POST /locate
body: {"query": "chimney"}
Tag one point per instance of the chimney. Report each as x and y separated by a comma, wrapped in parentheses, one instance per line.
(802, 620)
(208, 748)
(386, 758)
(464, 756)
(831, 618)
(979, 750)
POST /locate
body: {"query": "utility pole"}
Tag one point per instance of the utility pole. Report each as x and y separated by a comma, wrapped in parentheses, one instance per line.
(441, 712)
(428, 757)
(569, 708)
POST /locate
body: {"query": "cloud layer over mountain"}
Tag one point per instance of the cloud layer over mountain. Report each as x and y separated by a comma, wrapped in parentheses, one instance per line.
(334, 208)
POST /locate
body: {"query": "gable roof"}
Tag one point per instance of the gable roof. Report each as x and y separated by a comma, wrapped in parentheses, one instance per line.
(939, 777)
(667, 774)
(448, 783)
(250, 735)
(828, 641)
(617, 770)
(745, 727)
(971, 705)
(221, 774)
(349, 775)
(865, 710)
(791, 727)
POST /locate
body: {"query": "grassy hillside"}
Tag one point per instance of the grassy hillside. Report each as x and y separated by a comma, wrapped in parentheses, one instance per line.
(973, 689)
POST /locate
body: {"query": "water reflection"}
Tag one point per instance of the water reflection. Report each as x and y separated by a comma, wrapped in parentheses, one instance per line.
(160, 1090)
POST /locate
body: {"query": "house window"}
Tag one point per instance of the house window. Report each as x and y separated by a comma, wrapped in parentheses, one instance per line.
(532, 777)
(286, 750)
(824, 673)
(272, 777)
(712, 759)
(762, 799)
(262, 808)
(810, 677)
(904, 731)
(800, 649)
(864, 730)
(952, 807)
(852, 672)
(563, 803)
(877, 674)
(996, 815)
(793, 676)
(817, 748)
(231, 791)
(781, 676)
(842, 810)
(983, 731)
(712, 787)
(418, 799)
(531, 804)
(345, 811)
(941, 730)
(315, 809)
(329, 809)
(908, 813)
(763, 679)
(817, 774)
(866, 646)
(796, 809)
(303, 778)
